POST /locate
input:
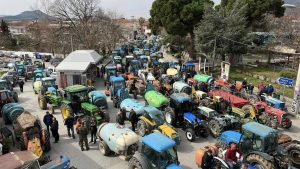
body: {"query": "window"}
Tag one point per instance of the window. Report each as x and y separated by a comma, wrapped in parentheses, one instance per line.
(76, 79)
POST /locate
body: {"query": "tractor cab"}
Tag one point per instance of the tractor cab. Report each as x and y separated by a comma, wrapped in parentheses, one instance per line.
(135, 66)
(20, 69)
(147, 51)
(109, 71)
(153, 57)
(157, 151)
(181, 103)
(115, 53)
(128, 59)
(38, 64)
(76, 93)
(118, 60)
(28, 61)
(254, 137)
(188, 70)
(49, 85)
(116, 84)
(182, 87)
(38, 74)
(6, 85)
(143, 59)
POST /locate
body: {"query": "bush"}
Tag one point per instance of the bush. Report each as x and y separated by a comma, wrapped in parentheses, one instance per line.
(288, 74)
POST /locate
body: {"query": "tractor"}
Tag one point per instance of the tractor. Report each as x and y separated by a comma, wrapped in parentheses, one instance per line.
(262, 147)
(187, 71)
(109, 71)
(136, 87)
(217, 123)
(116, 85)
(5, 97)
(180, 103)
(11, 79)
(194, 127)
(38, 75)
(27, 159)
(273, 102)
(157, 100)
(48, 94)
(4, 85)
(39, 64)
(118, 63)
(76, 103)
(134, 67)
(29, 72)
(154, 154)
(30, 135)
(144, 61)
(152, 121)
(20, 69)
(182, 87)
(10, 112)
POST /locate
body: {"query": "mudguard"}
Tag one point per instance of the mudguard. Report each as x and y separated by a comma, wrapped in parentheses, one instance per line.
(264, 155)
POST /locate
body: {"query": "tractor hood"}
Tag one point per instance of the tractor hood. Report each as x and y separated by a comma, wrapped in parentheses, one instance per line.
(129, 104)
(174, 166)
(170, 132)
(156, 99)
(89, 107)
(230, 136)
(95, 95)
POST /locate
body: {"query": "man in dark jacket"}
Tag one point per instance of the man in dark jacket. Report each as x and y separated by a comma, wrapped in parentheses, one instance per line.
(21, 84)
(93, 127)
(48, 120)
(54, 130)
(244, 83)
(83, 132)
(120, 117)
(207, 160)
(70, 127)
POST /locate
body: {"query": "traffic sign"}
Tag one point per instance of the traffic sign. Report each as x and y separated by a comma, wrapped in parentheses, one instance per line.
(285, 81)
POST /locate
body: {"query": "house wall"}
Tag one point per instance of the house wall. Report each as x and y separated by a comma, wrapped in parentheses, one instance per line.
(69, 80)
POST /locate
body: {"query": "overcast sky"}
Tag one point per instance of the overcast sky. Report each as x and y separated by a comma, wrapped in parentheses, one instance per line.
(127, 8)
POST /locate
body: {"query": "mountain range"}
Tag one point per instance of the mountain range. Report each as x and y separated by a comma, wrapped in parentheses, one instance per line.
(27, 16)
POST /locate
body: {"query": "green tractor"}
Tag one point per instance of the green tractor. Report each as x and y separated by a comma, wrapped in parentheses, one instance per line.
(48, 94)
(77, 103)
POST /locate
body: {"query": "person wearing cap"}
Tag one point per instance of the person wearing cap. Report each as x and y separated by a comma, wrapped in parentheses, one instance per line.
(48, 120)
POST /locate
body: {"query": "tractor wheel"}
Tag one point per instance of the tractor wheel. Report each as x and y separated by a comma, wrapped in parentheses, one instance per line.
(47, 144)
(141, 128)
(170, 116)
(215, 128)
(42, 102)
(66, 112)
(22, 145)
(294, 154)
(286, 126)
(258, 161)
(204, 131)
(134, 163)
(104, 149)
(190, 134)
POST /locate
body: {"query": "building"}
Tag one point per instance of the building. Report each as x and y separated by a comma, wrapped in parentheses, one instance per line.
(78, 67)
(19, 27)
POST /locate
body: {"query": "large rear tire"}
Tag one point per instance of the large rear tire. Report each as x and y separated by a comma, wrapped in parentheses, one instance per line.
(42, 102)
(104, 149)
(47, 144)
(134, 163)
(259, 162)
(22, 145)
(66, 111)
(141, 128)
(215, 128)
(170, 116)
(294, 154)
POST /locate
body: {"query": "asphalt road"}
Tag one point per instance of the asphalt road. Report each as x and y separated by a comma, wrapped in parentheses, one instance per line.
(93, 159)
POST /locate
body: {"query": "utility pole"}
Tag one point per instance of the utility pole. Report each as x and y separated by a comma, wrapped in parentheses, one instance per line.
(214, 54)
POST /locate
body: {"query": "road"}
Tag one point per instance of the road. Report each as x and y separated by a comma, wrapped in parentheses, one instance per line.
(93, 159)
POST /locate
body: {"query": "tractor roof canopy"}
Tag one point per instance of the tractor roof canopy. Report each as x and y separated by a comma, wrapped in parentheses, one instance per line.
(158, 142)
(202, 78)
(258, 129)
(76, 88)
(115, 79)
(110, 67)
(48, 79)
(181, 97)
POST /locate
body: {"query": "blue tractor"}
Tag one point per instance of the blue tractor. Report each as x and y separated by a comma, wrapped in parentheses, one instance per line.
(20, 69)
(117, 84)
(188, 70)
(194, 127)
(135, 66)
(262, 147)
(109, 71)
(156, 151)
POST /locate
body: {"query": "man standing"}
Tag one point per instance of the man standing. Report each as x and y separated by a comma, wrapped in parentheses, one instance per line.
(48, 120)
(207, 160)
(120, 117)
(83, 132)
(102, 71)
(54, 130)
(244, 83)
(93, 127)
(133, 119)
(70, 127)
(230, 156)
(21, 84)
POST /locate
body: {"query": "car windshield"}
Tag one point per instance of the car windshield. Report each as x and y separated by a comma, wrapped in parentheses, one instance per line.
(49, 82)
(159, 119)
(169, 156)
(270, 144)
(185, 107)
(118, 61)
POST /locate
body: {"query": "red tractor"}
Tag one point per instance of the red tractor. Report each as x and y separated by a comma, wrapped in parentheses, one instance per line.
(234, 100)
(281, 116)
